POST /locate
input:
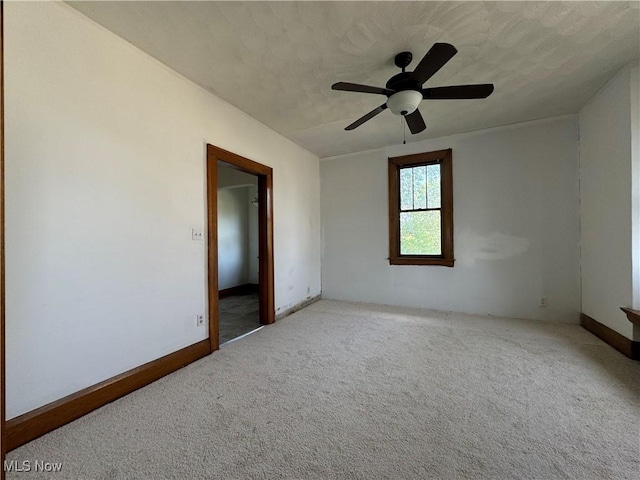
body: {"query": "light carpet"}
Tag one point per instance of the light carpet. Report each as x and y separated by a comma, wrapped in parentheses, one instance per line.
(356, 391)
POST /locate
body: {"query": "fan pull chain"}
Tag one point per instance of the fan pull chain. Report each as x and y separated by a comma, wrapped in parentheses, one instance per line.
(404, 133)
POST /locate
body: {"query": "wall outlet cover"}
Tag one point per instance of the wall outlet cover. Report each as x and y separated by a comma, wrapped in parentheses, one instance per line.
(197, 234)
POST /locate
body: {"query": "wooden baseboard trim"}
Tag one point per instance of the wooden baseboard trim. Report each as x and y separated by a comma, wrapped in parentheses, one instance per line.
(239, 290)
(298, 306)
(31, 425)
(621, 343)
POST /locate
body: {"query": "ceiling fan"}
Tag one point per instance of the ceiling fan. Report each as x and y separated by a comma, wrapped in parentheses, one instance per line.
(405, 92)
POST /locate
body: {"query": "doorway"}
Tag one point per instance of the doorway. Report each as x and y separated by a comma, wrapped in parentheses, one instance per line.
(263, 203)
(238, 271)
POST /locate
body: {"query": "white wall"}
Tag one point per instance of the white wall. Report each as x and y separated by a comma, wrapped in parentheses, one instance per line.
(238, 223)
(230, 177)
(238, 237)
(516, 230)
(105, 177)
(606, 204)
(634, 78)
(253, 250)
(233, 237)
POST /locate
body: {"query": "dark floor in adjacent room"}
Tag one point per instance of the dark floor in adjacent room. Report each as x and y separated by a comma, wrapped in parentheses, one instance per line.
(239, 314)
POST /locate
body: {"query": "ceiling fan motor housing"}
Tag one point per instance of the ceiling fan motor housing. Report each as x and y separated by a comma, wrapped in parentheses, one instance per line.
(403, 81)
(404, 102)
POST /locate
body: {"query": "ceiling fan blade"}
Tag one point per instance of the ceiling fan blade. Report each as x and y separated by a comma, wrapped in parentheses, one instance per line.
(354, 87)
(415, 122)
(433, 61)
(367, 117)
(458, 92)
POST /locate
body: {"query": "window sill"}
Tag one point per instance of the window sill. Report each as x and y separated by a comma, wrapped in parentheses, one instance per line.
(443, 262)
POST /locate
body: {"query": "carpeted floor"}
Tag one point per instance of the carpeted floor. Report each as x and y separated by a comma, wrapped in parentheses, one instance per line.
(342, 391)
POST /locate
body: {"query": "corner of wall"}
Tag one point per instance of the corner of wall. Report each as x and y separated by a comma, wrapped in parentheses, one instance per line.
(634, 86)
(609, 264)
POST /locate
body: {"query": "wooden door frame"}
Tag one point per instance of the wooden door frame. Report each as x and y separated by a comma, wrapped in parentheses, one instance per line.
(265, 241)
(2, 276)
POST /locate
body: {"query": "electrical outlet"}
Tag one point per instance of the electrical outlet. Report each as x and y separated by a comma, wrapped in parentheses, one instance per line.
(196, 234)
(543, 302)
(199, 320)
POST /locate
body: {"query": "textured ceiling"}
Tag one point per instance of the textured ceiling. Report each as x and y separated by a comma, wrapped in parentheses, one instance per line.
(277, 61)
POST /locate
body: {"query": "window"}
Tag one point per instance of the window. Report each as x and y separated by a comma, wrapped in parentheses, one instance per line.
(421, 209)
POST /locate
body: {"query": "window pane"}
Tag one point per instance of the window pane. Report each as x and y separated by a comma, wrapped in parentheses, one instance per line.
(420, 233)
(419, 187)
(406, 189)
(433, 185)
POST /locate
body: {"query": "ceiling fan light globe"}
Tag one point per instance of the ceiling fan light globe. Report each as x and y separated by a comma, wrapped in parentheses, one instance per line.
(404, 102)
